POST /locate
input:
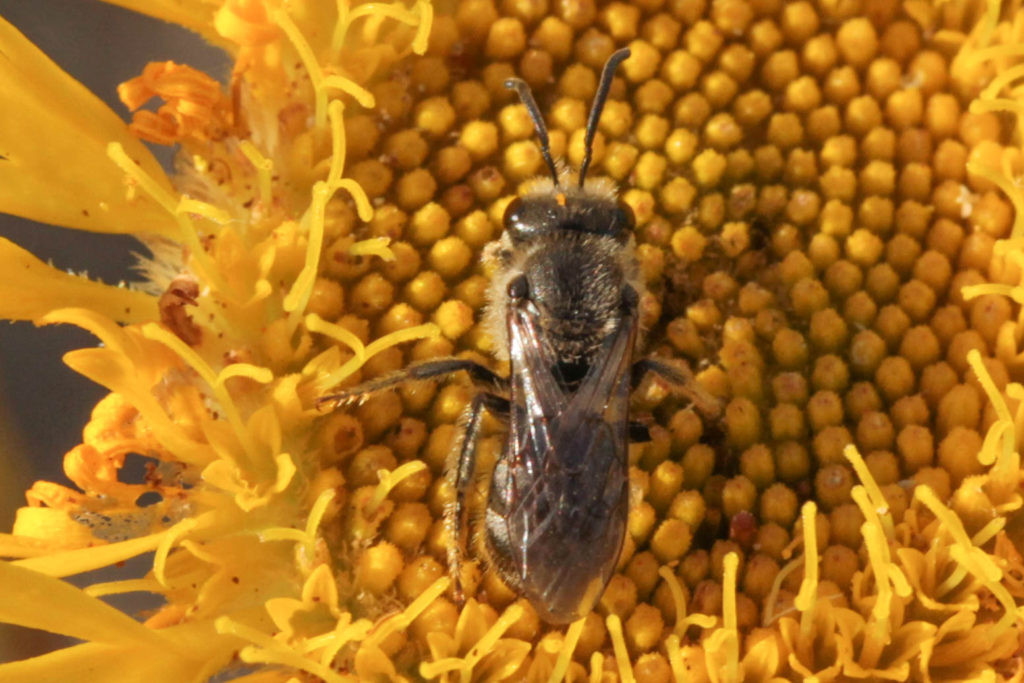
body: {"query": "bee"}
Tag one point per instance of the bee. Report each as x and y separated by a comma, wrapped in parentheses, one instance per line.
(563, 307)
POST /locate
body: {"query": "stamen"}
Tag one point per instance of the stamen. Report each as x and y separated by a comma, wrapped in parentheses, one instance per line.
(881, 505)
(972, 558)
(307, 536)
(1003, 427)
(877, 544)
(512, 614)
(195, 361)
(1004, 78)
(675, 658)
(389, 479)
(808, 593)
(268, 650)
(678, 598)
(199, 551)
(167, 542)
(1001, 431)
(773, 594)
(729, 618)
(388, 340)
(421, 39)
(874, 543)
(400, 621)
(374, 246)
(247, 370)
(279, 533)
(316, 513)
(186, 233)
(625, 666)
(398, 336)
(302, 289)
(309, 61)
(421, 16)
(162, 197)
(596, 667)
(1016, 196)
(976, 55)
(989, 531)
(343, 634)
(188, 205)
(338, 140)
(264, 168)
(317, 325)
(572, 637)
(1015, 292)
(346, 85)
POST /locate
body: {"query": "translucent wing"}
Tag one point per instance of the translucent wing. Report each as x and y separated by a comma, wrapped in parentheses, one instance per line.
(567, 468)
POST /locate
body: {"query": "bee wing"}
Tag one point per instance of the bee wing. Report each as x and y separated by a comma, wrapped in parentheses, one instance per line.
(549, 419)
(536, 394)
(568, 469)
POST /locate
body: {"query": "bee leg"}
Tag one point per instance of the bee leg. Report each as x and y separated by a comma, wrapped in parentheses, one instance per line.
(638, 432)
(428, 369)
(460, 473)
(682, 378)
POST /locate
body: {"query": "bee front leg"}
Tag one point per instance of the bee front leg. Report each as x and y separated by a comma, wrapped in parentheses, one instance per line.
(428, 369)
(460, 473)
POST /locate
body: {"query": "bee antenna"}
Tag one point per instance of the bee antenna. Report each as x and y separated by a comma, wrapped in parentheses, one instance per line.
(607, 73)
(526, 96)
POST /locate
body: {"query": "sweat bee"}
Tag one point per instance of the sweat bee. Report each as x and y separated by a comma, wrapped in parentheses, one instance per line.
(563, 309)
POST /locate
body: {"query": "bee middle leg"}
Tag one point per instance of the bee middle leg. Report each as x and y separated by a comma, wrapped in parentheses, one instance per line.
(680, 377)
(460, 473)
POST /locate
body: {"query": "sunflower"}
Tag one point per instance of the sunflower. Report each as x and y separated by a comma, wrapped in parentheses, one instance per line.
(828, 213)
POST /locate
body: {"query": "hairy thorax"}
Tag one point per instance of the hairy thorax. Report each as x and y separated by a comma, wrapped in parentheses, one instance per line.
(575, 282)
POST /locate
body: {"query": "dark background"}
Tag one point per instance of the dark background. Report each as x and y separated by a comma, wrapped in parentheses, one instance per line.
(43, 404)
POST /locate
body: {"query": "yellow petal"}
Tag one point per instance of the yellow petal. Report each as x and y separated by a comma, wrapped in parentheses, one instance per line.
(122, 367)
(195, 15)
(38, 601)
(80, 560)
(54, 166)
(51, 526)
(30, 289)
(195, 653)
(94, 662)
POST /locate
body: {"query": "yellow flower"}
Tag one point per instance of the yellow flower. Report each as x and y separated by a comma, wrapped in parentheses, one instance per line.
(825, 199)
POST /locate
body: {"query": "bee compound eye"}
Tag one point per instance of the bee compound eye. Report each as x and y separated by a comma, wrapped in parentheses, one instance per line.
(518, 288)
(624, 216)
(513, 214)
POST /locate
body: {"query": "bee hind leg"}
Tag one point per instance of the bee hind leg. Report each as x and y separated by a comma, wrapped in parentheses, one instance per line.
(460, 473)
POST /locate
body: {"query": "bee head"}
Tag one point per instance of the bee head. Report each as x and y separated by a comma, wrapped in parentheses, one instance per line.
(581, 209)
(537, 215)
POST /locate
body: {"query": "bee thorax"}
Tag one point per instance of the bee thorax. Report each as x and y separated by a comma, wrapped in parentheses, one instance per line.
(576, 283)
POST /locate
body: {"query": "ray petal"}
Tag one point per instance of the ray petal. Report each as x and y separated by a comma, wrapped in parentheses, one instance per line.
(30, 288)
(54, 134)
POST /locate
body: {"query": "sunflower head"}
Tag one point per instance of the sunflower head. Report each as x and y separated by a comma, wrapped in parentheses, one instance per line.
(825, 200)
